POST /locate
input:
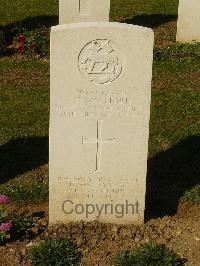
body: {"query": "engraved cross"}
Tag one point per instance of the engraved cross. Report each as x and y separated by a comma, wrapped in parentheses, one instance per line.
(99, 140)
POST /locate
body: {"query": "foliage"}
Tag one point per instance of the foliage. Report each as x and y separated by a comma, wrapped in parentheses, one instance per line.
(21, 225)
(18, 225)
(55, 252)
(32, 43)
(193, 194)
(37, 43)
(148, 255)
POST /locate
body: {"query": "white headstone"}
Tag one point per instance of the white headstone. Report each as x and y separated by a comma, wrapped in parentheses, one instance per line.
(71, 11)
(188, 27)
(99, 122)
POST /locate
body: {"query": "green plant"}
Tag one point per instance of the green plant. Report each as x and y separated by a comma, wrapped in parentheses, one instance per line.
(193, 194)
(31, 42)
(148, 255)
(37, 43)
(55, 252)
(21, 225)
(18, 225)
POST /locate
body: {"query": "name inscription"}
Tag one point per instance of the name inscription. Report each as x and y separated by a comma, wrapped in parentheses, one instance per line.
(98, 104)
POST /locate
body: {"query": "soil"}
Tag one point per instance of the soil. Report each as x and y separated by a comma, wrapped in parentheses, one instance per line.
(100, 242)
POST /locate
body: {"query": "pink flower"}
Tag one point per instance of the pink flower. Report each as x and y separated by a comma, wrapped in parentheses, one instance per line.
(4, 199)
(5, 227)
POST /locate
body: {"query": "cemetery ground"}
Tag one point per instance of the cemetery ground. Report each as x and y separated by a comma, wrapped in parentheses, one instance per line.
(173, 189)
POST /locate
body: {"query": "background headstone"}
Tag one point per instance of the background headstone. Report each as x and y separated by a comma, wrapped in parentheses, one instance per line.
(99, 122)
(71, 11)
(188, 27)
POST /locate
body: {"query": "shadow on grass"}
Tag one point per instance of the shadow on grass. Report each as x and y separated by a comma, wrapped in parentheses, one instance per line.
(170, 174)
(31, 23)
(22, 155)
(151, 21)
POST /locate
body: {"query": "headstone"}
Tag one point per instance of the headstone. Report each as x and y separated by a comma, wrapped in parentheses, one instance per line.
(99, 122)
(71, 11)
(188, 27)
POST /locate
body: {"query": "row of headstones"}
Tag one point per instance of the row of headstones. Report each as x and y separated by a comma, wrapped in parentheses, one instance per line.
(99, 122)
(188, 27)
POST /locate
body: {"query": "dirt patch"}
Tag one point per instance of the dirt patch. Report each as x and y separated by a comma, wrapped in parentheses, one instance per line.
(100, 242)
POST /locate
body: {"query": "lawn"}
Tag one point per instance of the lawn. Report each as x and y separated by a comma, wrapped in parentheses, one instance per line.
(174, 146)
(24, 88)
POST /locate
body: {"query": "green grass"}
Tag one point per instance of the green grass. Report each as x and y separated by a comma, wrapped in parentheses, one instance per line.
(129, 8)
(19, 10)
(33, 191)
(24, 96)
(175, 113)
(34, 14)
(189, 54)
(174, 116)
(193, 195)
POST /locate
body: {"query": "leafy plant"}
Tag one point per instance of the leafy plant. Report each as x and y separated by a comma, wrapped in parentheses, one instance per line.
(37, 43)
(148, 255)
(21, 225)
(32, 43)
(55, 252)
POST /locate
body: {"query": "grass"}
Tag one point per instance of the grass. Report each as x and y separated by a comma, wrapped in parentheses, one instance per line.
(34, 14)
(193, 195)
(20, 10)
(174, 116)
(35, 192)
(121, 9)
(24, 97)
(31, 187)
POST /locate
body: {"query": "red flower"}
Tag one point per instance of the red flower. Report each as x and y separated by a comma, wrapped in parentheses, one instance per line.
(21, 39)
(21, 42)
